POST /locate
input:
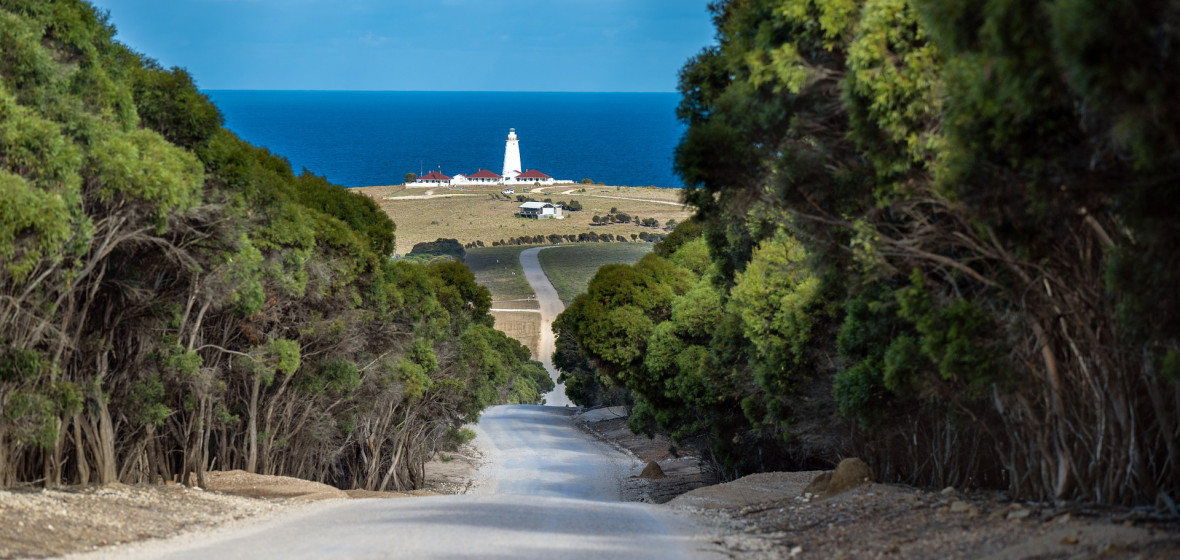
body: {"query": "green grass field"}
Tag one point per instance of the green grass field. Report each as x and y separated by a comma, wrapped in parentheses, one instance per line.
(498, 269)
(570, 267)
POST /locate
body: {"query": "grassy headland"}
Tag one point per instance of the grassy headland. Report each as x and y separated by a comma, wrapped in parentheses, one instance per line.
(476, 214)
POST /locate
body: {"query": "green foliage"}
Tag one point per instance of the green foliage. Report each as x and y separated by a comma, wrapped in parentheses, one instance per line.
(892, 85)
(458, 437)
(954, 337)
(147, 402)
(778, 299)
(32, 419)
(21, 364)
(415, 378)
(140, 166)
(152, 257)
(184, 363)
(336, 376)
(674, 353)
(283, 356)
(358, 212)
(439, 247)
(169, 103)
(978, 144)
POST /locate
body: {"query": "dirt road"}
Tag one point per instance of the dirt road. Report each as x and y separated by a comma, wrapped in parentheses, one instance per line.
(551, 307)
(549, 491)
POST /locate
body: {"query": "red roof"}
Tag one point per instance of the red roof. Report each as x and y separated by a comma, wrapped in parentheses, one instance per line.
(434, 176)
(483, 174)
(533, 174)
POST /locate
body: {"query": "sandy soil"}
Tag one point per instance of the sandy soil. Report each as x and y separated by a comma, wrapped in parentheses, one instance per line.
(768, 516)
(42, 523)
(683, 469)
(755, 517)
(764, 516)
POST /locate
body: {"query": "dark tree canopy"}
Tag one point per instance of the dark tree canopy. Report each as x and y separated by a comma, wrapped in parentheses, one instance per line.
(933, 229)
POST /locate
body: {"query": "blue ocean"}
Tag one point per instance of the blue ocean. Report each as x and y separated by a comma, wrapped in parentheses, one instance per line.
(357, 138)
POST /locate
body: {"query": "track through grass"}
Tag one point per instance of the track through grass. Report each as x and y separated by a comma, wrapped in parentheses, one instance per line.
(498, 270)
(570, 267)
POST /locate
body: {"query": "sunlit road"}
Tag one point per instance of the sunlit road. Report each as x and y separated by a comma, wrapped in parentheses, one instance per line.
(548, 492)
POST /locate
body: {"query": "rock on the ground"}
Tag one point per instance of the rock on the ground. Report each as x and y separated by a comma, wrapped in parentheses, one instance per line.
(850, 473)
(819, 485)
(652, 470)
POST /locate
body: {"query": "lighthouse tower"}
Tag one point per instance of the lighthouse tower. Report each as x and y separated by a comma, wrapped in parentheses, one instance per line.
(511, 155)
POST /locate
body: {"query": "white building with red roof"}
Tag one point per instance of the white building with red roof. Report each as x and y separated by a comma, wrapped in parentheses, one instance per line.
(432, 179)
(532, 176)
(512, 174)
(482, 177)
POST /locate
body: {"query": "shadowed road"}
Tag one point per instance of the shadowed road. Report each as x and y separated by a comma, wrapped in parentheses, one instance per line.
(548, 492)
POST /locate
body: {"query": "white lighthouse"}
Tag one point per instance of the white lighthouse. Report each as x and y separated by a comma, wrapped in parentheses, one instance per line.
(511, 155)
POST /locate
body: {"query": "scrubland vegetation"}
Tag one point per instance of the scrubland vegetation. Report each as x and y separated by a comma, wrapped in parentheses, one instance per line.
(937, 235)
(570, 267)
(174, 300)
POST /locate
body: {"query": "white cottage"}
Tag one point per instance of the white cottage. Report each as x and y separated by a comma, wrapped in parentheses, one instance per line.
(432, 179)
(540, 211)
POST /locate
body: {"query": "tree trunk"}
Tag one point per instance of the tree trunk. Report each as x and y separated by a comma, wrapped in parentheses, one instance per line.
(252, 427)
(80, 452)
(105, 459)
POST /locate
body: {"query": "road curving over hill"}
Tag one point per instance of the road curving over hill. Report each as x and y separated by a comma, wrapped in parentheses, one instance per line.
(550, 307)
(549, 491)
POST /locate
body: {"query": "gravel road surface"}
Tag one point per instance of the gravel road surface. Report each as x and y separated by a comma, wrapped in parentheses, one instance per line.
(551, 307)
(549, 491)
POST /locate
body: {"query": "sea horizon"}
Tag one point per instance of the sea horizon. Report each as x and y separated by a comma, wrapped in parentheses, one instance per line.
(359, 138)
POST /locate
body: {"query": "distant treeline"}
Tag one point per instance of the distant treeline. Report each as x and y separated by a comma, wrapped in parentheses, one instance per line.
(174, 300)
(938, 235)
(589, 237)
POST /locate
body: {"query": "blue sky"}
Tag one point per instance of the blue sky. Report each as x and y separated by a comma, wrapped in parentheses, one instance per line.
(435, 45)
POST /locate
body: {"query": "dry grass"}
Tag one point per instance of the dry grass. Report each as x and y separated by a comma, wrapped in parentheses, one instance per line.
(524, 326)
(480, 218)
(498, 270)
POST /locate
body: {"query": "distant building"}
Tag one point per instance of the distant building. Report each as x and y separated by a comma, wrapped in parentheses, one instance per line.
(512, 174)
(483, 176)
(540, 211)
(432, 179)
(534, 176)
